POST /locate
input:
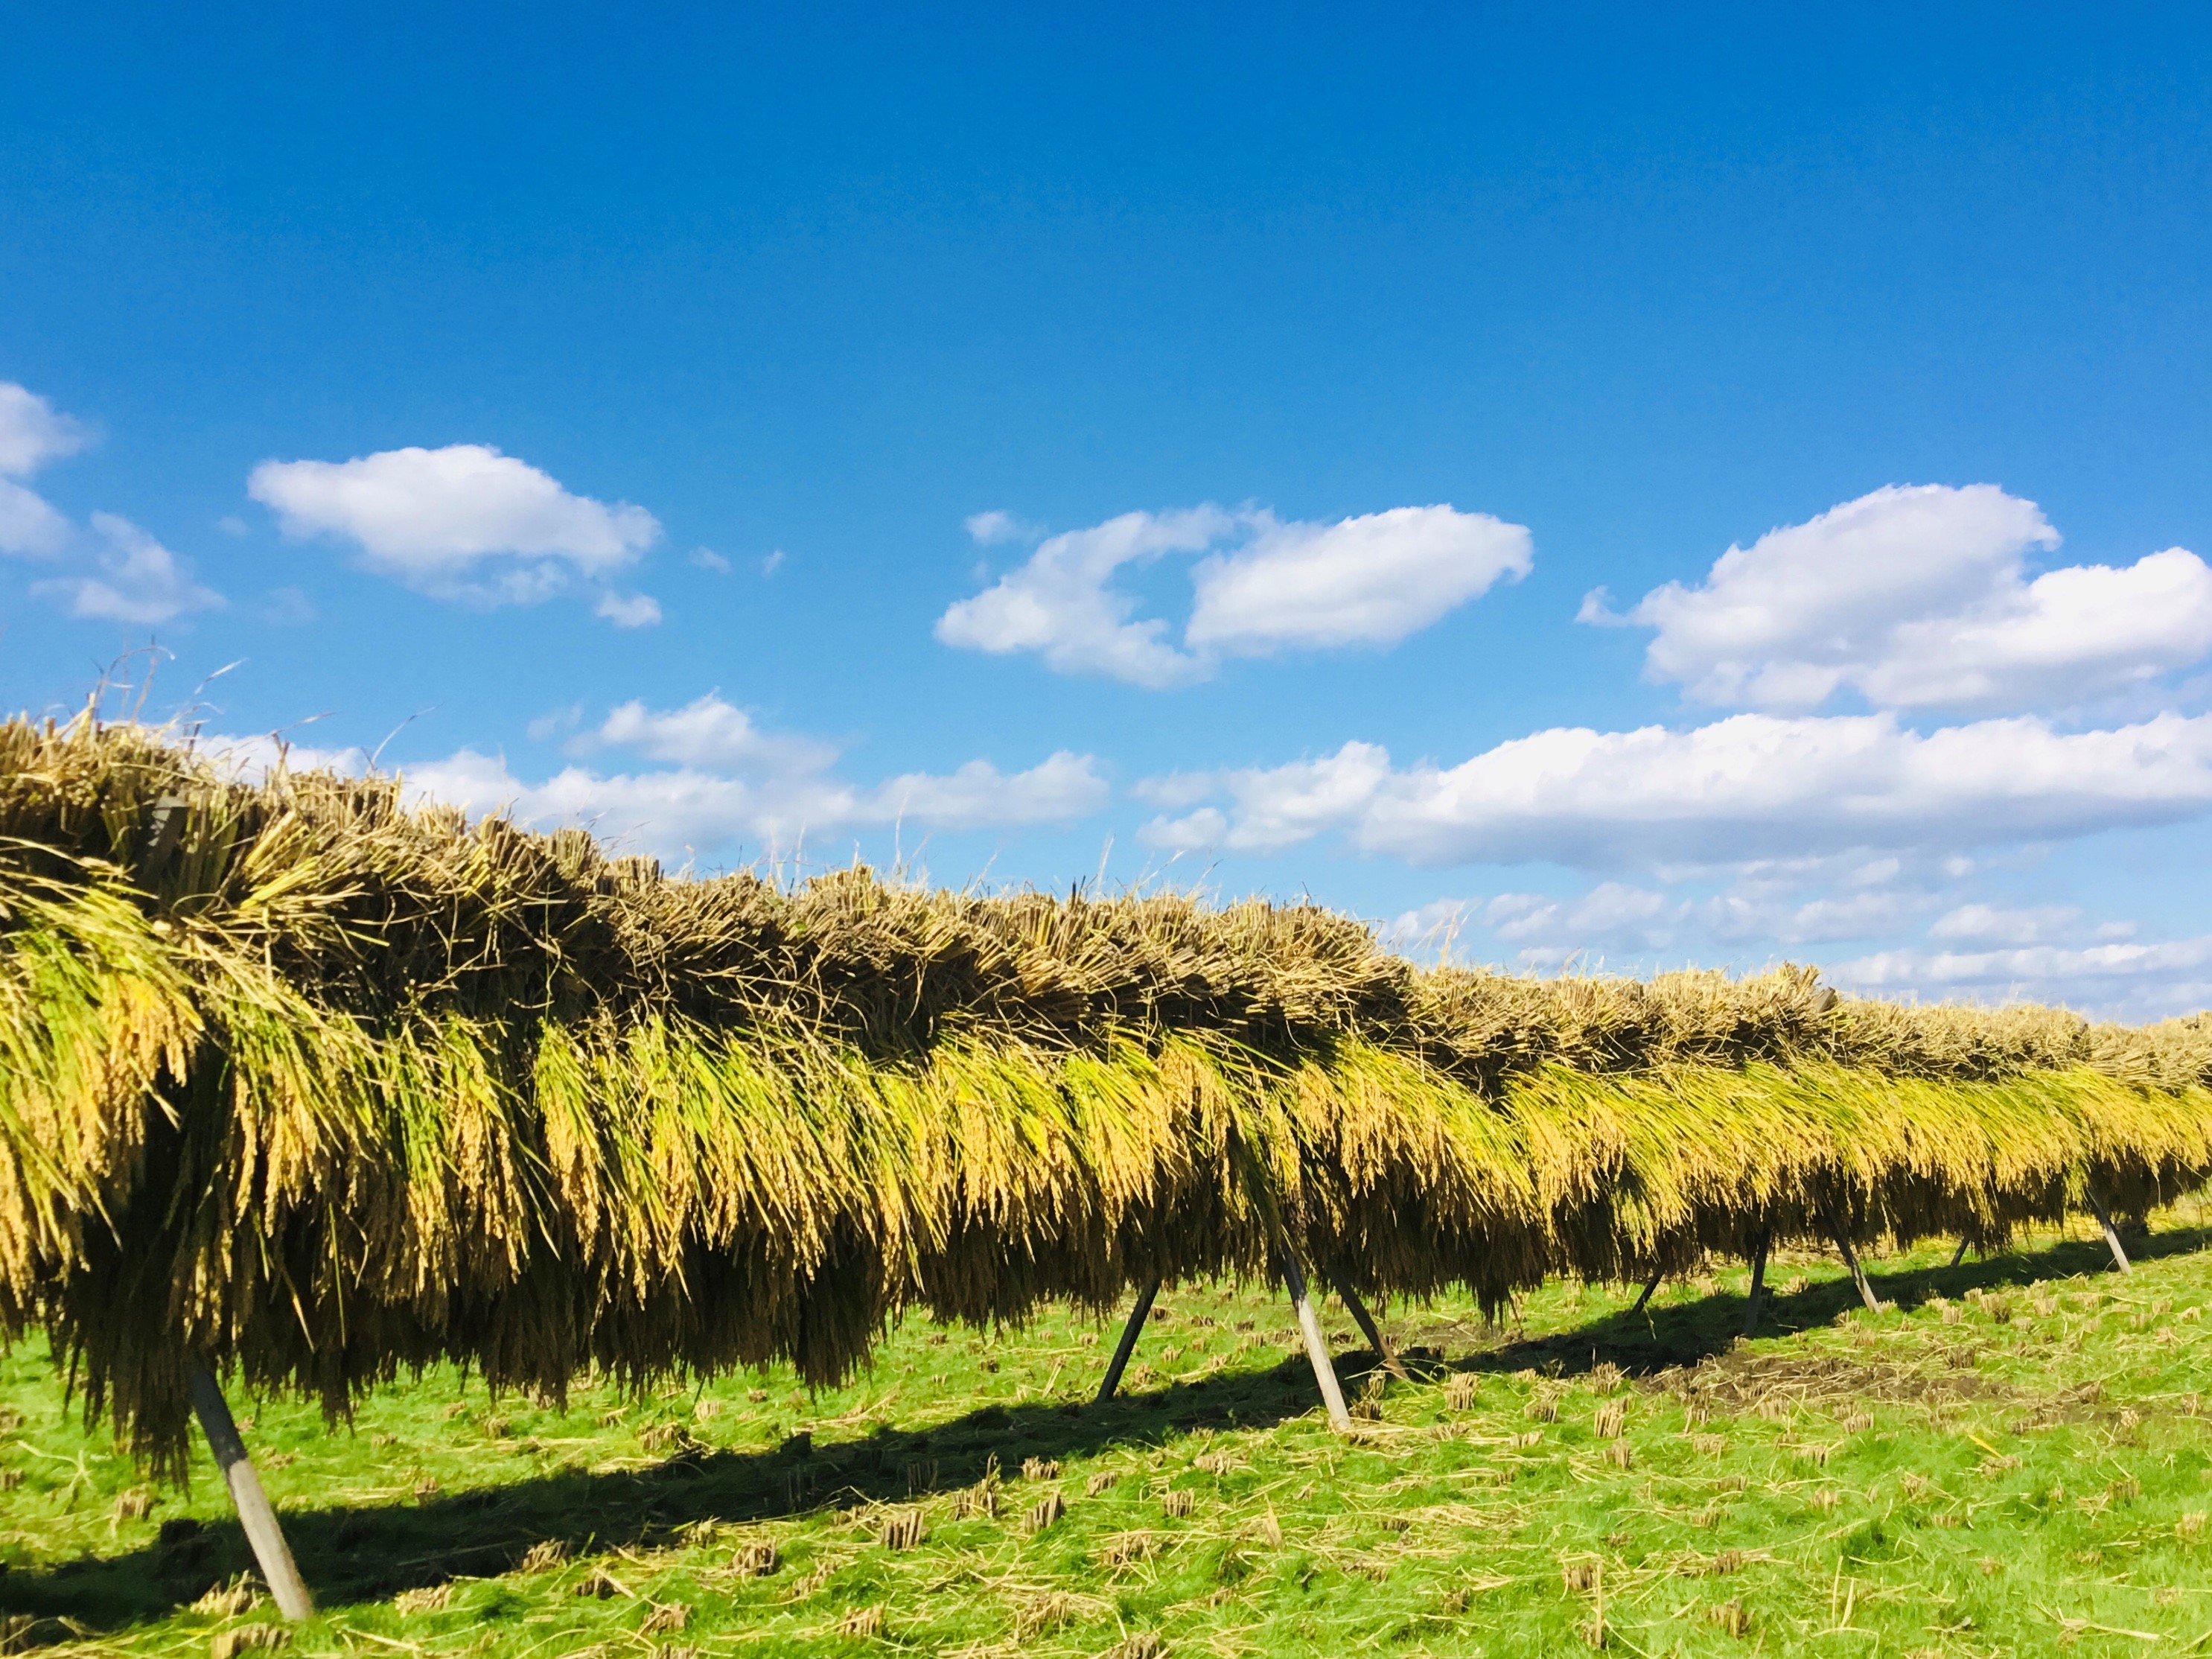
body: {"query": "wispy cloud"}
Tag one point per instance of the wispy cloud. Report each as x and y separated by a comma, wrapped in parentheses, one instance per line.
(137, 579)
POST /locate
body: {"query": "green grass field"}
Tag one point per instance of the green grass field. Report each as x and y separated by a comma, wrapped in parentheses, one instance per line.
(2015, 1460)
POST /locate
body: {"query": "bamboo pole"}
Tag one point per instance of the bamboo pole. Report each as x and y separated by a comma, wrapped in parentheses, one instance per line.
(1851, 1261)
(2112, 1233)
(1127, 1345)
(1332, 1395)
(255, 1514)
(1369, 1328)
(1648, 1292)
(1758, 1280)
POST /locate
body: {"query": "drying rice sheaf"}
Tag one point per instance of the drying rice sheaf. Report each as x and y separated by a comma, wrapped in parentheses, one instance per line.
(308, 1085)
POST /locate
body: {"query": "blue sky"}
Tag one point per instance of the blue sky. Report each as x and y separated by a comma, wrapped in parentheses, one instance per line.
(723, 428)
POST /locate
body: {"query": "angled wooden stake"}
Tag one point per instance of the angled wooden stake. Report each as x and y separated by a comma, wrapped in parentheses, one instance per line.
(1648, 1291)
(1851, 1261)
(1127, 1345)
(1758, 1280)
(1959, 1255)
(1332, 1395)
(254, 1513)
(1369, 1328)
(2112, 1233)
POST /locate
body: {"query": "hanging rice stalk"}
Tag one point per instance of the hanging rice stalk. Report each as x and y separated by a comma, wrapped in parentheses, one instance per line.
(301, 1084)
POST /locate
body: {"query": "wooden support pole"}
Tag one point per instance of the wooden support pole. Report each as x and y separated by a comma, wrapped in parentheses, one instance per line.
(1758, 1280)
(1127, 1345)
(1648, 1291)
(1369, 1328)
(1851, 1261)
(1316, 1345)
(254, 1513)
(2112, 1233)
(1959, 1255)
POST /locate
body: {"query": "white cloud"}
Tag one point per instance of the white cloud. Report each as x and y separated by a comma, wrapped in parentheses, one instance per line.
(706, 559)
(1741, 917)
(2139, 981)
(1993, 924)
(436, 519)
(139, 581)
(726, 781)
(1268, 585)
(1428, 929)
(628, 610)
(1750, 787)
(34, 432)
(670, 812)
(989, 529)
(1918, 597)
(708, 733)
(1280, 806)
(254, 757)
(28, 524)
(731, 782)
(1366, 580)
(1611, 915)
(1059, 604)
(1058, 789)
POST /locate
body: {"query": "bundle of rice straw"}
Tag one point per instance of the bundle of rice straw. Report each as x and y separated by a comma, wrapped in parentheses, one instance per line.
(302, 1083)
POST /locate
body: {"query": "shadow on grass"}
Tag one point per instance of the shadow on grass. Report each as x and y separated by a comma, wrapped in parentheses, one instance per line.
(1668, 1335)
(355, 1555)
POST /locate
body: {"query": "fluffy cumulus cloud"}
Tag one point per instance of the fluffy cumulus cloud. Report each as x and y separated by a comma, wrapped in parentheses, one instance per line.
(1920, 597)
(721, 781)
(1753, 786)
(464, 522)
(1263, 585)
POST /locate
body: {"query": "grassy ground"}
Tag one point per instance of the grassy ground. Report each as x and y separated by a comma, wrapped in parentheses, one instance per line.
(2013, 1460)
